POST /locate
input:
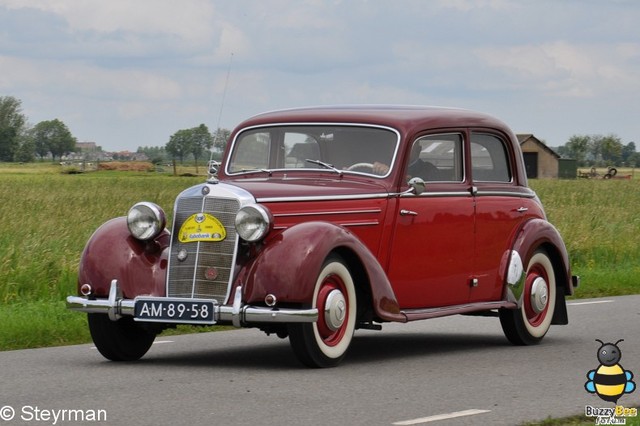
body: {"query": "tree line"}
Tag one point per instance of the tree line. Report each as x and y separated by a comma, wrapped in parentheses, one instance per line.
(21, 142)
(600, 150)
(194, 144)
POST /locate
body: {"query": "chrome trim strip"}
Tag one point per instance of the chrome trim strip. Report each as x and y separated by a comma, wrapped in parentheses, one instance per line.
(346, 225)
(323, 198)
(446, 194)
(321, 213)
(481, 193)
(371, 223)
(463, 193)
(239, 315)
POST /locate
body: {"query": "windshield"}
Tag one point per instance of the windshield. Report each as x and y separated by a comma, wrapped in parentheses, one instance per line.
(332, 148)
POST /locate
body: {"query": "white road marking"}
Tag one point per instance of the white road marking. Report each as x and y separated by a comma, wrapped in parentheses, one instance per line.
(441, 417)
(595, 302)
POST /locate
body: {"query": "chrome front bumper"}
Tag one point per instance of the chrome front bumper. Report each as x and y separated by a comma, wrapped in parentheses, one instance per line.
(238, 314)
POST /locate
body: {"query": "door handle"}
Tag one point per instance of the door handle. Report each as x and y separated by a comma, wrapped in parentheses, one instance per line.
(522, 209)
(408, 213)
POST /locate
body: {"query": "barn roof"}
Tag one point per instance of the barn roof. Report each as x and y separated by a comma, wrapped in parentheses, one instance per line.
(524, 137)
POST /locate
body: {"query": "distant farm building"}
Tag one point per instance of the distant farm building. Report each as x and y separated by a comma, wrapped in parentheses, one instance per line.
(86, 146)
(541, 161)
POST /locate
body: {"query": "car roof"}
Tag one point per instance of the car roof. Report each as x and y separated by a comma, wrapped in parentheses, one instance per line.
(401, 117)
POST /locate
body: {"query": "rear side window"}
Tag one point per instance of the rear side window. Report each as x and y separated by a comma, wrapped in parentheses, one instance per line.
(489, 158)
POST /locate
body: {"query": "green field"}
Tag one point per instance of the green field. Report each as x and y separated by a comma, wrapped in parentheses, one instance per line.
(47, 217)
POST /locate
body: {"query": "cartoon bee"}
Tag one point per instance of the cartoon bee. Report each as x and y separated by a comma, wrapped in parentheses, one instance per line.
(609, 381)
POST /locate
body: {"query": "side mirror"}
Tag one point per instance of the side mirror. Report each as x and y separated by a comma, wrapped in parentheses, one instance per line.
(417, 185)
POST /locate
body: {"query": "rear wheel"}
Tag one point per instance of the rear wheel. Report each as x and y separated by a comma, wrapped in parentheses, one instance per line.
(121, 340)
(529, 324)
(325, 342)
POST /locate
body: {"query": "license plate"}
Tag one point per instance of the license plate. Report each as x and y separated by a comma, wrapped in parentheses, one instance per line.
(182, 311)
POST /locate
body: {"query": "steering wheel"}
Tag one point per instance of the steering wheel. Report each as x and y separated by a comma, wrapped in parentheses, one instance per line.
(368, 166)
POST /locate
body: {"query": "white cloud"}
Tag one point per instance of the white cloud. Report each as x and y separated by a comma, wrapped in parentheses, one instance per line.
(470, 5)
(75, 77)
(565, 69)
(187, 19)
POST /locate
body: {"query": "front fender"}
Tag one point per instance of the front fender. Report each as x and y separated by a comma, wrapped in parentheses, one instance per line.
(112, 253)
(288, 265)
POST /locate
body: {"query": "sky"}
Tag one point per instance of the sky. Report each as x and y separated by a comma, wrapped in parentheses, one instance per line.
(125, 74)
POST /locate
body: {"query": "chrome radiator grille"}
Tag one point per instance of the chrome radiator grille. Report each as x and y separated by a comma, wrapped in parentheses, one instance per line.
(208, 268)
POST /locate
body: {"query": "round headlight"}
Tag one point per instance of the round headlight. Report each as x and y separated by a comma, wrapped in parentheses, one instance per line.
(253, 222)
(146, 220)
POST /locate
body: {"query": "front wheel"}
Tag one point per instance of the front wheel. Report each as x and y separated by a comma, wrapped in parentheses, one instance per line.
(325, 342)
(121, 340)
(529, 324)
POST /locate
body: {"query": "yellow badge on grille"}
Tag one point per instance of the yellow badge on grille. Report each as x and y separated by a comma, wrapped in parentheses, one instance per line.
(201, 227)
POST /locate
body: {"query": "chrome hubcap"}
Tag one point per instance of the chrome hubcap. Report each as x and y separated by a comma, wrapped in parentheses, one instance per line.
(539, 295)
(335, 310)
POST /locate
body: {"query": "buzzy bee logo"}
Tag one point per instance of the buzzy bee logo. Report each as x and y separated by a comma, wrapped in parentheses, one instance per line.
(610, 381)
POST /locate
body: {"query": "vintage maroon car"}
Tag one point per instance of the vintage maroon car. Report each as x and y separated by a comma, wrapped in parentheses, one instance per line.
(325, 220)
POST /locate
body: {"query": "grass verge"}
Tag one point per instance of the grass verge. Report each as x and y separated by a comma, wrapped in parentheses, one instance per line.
(580, 420)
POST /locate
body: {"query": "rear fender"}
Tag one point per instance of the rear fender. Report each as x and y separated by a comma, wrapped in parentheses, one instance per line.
(538, 234)
(112, 253)
(288, 264)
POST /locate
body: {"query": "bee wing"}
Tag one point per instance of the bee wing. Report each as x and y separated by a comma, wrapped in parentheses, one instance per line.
(629, 386)
(590, 387)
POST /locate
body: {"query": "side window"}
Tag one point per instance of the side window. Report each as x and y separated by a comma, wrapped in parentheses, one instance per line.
(437, 158)
(489, 159)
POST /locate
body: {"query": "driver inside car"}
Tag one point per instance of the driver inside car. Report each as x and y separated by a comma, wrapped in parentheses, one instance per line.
(417, 167)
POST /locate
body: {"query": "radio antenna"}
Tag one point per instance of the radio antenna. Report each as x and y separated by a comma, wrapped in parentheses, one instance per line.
(224, 95)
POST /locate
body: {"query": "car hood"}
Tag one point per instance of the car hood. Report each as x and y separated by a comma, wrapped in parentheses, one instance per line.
(282, 189)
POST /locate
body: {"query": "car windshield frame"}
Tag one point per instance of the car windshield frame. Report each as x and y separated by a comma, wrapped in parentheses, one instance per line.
(331, 147)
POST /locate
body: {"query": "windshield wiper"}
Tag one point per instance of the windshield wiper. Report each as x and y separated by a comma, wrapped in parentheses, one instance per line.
(270, 172)
(325, 165)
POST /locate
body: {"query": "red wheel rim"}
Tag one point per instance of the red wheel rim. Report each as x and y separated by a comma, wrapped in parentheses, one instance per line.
(535, 272)
(330, 337)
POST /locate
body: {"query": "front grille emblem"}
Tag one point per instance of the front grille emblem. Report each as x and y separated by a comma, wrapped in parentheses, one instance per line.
(182, 255)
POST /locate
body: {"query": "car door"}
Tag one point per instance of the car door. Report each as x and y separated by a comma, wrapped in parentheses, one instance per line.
(432, 249)
(501, 205)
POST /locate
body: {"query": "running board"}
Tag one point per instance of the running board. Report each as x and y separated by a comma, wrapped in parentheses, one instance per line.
(470, 308)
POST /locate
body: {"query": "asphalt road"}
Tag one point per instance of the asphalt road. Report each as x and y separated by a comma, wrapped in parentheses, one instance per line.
(426, 372)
